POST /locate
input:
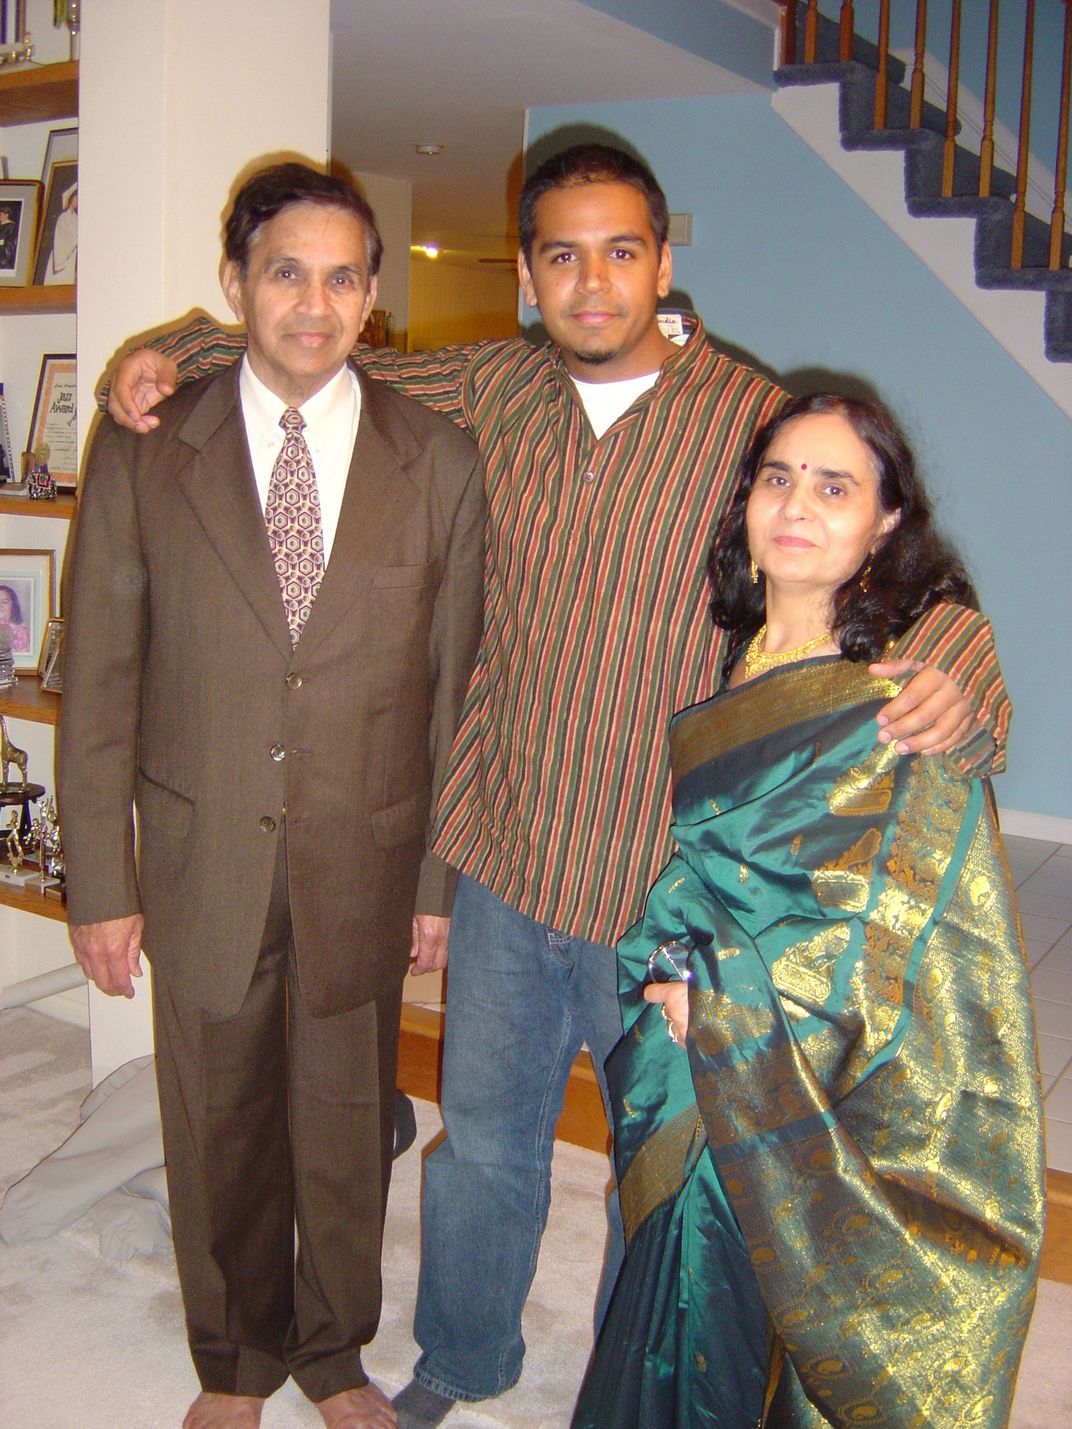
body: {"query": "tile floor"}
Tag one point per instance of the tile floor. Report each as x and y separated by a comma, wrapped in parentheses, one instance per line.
(1043, 873)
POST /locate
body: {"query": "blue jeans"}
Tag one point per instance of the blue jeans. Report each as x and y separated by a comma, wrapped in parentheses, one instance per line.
(521, 999)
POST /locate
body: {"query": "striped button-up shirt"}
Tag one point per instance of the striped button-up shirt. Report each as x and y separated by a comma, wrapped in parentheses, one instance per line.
(557, 796)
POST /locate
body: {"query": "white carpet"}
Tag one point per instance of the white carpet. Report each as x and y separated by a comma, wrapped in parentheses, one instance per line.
(90, 1343)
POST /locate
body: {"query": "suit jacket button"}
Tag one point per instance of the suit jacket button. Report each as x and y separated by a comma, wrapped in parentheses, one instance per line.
(267, 825)
(294, 681)
(278, 753)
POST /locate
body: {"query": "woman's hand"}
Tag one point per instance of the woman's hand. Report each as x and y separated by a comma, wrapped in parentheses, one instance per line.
(674, 997)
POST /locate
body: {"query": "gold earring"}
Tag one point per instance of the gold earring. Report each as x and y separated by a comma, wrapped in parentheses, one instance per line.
(754, 572)
(865, 577)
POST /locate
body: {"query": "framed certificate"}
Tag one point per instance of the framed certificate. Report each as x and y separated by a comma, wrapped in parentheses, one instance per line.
(54, 421)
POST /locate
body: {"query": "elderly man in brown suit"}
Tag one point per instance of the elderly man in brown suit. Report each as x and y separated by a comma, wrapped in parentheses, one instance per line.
(282, 732)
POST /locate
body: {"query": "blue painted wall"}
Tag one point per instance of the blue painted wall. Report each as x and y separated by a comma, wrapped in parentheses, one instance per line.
(788, 265)
(717, 32)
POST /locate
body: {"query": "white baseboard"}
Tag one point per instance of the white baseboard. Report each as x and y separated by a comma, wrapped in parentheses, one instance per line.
(1036, 826)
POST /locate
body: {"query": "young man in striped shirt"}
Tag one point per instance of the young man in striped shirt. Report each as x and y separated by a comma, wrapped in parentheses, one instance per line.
(610, 456)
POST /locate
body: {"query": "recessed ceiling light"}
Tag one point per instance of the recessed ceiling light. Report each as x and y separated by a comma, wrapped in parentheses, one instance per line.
(430, 151)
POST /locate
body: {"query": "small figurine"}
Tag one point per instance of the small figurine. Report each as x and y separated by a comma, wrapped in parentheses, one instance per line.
(43, 842)
(11, 754)
(51, 841)
(41, 484)
(15, 851)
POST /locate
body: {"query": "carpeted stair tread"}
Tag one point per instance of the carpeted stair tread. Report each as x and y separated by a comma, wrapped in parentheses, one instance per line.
(828, 47)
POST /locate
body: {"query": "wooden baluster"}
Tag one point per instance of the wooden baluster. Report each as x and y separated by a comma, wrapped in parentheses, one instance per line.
(789, 32)
(883, 81)
(811, 32)
(1023, 152)
(915, 108)
(848, 29)
(949, 151)
(1057, 218)
(986, 150)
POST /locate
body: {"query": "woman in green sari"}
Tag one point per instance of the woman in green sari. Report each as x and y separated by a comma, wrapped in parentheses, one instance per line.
(831, 1170)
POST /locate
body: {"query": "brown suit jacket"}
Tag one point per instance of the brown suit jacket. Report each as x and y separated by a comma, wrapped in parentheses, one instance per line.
(183, 695)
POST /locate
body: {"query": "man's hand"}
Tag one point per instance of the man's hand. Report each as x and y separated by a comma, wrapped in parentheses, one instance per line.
(929, 716)
(143, 378)
(428, 951)
(110, 953)
(674, 997)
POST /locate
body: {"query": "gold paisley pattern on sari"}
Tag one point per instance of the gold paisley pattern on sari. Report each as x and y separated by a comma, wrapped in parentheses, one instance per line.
(865, 788)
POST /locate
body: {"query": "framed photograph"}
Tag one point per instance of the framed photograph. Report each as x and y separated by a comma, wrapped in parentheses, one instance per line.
(27, 601)
(50, 666)
(54, 417)
(62, 147)
(20, 200)
(57, 245)
(50, 644)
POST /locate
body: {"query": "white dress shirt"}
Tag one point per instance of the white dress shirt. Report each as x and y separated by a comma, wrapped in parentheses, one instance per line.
(331, 417)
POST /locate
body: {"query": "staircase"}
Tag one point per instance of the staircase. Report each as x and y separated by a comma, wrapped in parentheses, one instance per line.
(881, 108)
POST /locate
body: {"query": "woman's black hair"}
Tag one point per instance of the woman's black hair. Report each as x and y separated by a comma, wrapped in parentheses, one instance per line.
(912, 570)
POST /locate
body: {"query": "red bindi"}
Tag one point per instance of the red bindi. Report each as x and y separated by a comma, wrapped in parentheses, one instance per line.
(803, 466)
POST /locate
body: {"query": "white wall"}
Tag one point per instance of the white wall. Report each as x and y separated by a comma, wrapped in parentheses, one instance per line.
(460, 302)
(392, 203)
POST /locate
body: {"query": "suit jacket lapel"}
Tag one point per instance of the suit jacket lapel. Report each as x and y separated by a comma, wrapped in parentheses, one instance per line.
(218, 483)
(368, 518)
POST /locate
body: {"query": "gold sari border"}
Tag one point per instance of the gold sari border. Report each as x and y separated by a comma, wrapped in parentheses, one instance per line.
(769, 705)
(659, 1169)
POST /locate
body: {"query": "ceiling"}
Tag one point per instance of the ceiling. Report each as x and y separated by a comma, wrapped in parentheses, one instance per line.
(461, 73)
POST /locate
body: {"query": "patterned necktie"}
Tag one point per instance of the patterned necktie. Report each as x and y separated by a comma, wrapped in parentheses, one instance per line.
(292, 515)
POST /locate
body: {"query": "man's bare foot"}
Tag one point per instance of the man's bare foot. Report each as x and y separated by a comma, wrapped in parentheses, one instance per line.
(223, 1411)
(365, 1408)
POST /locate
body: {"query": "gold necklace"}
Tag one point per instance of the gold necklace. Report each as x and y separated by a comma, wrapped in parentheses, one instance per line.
(757, 661)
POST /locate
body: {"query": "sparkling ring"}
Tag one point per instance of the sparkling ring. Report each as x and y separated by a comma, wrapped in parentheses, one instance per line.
(669, 1026)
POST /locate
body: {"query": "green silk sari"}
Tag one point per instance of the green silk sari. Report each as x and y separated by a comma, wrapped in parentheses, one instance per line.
(833, 1197)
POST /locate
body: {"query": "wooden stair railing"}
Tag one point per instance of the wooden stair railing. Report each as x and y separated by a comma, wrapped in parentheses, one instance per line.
(1057, 219)
(1021, 12)
(1023, 147)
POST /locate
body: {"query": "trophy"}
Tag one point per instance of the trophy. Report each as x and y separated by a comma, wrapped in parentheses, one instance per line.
(41, 484)
(45, 842)
(16, 794)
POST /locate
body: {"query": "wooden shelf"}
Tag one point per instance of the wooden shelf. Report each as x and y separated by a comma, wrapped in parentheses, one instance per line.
(31, 900)
(39, 92)
(62, 509)
(27, 700)
(41, 298)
